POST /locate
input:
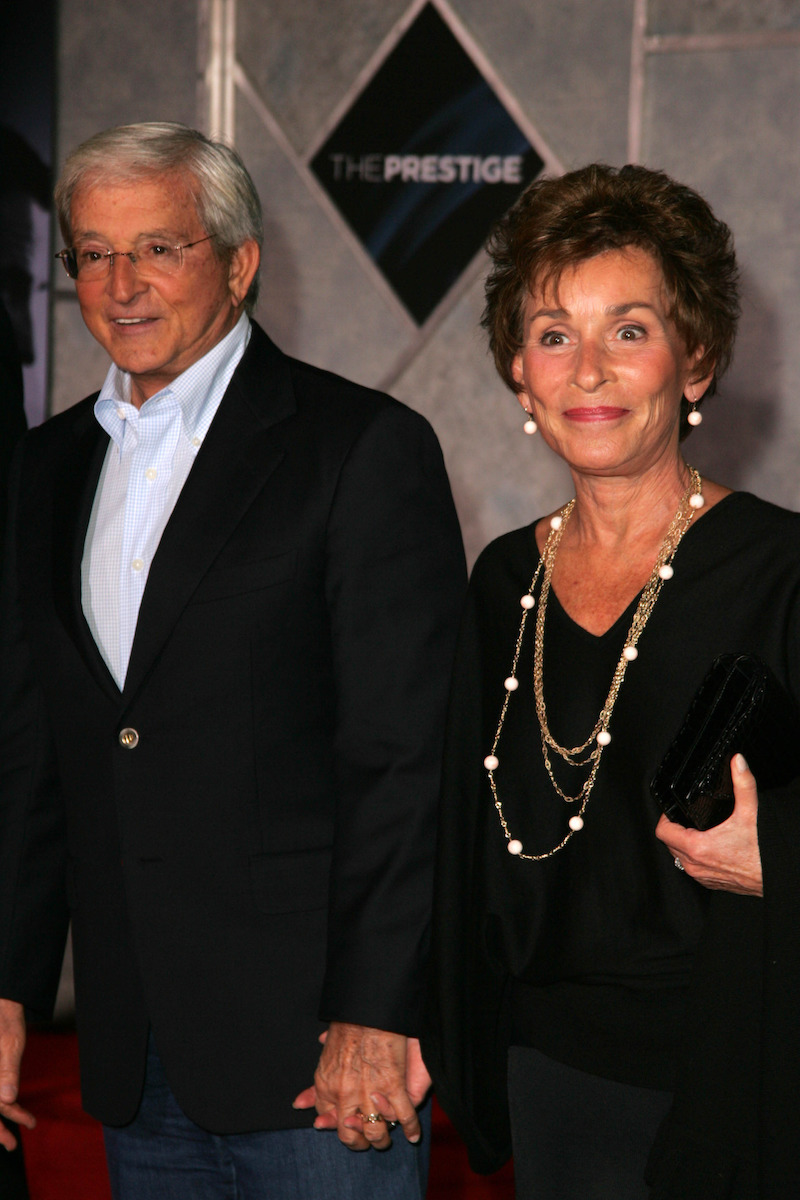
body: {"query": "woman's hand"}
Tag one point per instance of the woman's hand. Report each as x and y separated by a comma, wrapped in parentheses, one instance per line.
(364, 1070)
(725, 858)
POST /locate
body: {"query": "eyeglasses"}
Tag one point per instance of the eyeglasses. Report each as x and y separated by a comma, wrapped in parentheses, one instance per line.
(150, 259)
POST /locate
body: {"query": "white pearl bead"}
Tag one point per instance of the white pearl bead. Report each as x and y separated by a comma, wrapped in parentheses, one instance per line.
(511, 684)
(696, 500)
(630, 653)
(527, 601)
(665, 572)
(603, 737)
(576, 824)
(695, 417)
(491, 762)
(556, 522)
(514, 847)
(530, 425)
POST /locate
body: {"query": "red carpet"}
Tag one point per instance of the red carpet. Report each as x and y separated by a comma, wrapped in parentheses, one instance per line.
(64, 1153)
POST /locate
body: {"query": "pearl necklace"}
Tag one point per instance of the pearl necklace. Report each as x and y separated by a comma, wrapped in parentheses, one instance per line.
(590, 752)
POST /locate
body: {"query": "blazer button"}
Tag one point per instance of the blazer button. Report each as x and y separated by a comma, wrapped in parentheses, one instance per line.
(129, 738)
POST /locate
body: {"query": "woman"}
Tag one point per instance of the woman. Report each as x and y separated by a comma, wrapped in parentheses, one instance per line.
(568, 962)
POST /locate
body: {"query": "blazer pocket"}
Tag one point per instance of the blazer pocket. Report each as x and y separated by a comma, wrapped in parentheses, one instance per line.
(240, 578)
(291, 882)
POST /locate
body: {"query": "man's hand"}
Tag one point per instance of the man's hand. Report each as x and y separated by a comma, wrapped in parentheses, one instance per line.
(725, 858)
(12, 1043)
(371, 1072)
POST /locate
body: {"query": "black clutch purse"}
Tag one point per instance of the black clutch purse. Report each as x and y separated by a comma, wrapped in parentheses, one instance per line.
(740, 707)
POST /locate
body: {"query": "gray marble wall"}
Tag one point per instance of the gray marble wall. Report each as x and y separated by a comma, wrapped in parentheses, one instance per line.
(707, 89)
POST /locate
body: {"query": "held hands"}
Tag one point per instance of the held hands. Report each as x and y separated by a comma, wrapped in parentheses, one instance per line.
(725, 858)
(365, 1072)
(12, 1043)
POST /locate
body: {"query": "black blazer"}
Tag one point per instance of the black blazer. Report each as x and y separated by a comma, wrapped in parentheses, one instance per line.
(12, 411)
(259, 861)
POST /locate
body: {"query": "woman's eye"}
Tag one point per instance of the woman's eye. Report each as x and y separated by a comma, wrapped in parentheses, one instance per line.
(630, 333)
(553, 338)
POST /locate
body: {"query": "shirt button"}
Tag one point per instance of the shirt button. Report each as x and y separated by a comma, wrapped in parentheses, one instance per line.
(196, 441)
(150, 473)
(121, 414)
(128, 738)
(137, 564)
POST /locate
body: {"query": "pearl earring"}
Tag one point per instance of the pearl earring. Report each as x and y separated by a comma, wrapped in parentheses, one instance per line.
(530, 425)
(694, 417)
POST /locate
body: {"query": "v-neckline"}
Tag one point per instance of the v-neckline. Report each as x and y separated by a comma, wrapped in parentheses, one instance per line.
(624, 618)
(627, 614)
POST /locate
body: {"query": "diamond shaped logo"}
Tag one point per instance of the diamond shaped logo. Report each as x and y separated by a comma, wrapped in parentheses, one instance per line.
(424, 161)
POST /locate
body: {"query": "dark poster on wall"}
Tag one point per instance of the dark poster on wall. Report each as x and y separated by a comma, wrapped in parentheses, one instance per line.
(424, 161)
(27, 75)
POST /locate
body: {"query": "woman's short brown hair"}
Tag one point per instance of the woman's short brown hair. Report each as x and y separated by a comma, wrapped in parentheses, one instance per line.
(557, 223)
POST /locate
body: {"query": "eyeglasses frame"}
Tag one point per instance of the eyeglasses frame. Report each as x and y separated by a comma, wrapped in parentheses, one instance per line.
(110, 255)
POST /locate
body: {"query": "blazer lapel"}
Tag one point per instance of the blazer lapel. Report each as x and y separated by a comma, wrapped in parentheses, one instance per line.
(244, 445)
(73, 492)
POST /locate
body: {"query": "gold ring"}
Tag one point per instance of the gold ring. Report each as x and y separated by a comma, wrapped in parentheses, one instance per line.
(371, 1118)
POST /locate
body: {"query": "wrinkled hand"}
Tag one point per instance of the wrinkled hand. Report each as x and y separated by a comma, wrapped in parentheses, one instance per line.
(725, 858)
(365, 1070)
(12, 1043)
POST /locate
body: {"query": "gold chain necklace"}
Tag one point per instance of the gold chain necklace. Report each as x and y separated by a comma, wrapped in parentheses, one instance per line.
(590, 752)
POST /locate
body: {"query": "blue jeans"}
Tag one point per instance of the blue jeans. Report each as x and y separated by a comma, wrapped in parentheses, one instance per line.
(162, 1155)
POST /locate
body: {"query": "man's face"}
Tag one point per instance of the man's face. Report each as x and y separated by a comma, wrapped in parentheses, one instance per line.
(156, 328)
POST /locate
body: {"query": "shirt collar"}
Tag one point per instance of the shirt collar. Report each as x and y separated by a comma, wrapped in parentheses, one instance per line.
(197, 389)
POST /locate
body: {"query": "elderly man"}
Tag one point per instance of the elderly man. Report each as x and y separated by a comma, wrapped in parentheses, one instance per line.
(227, 624)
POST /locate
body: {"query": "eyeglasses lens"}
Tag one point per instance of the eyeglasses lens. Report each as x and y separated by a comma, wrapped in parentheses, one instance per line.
(149, 259)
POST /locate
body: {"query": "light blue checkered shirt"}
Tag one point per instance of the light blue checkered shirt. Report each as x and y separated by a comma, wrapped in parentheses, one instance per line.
(150, 454)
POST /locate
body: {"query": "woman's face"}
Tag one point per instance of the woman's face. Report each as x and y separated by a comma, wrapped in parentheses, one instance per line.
(603, 368)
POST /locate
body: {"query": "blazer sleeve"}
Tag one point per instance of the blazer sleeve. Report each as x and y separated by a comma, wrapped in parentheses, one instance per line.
(12, 410)
(33, 906)
(395, 580)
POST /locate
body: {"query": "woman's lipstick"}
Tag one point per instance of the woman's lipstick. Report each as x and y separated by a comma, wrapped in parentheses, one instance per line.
(600, 412)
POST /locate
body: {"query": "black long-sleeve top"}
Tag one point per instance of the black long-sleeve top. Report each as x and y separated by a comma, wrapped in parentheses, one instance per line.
(590, 955)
